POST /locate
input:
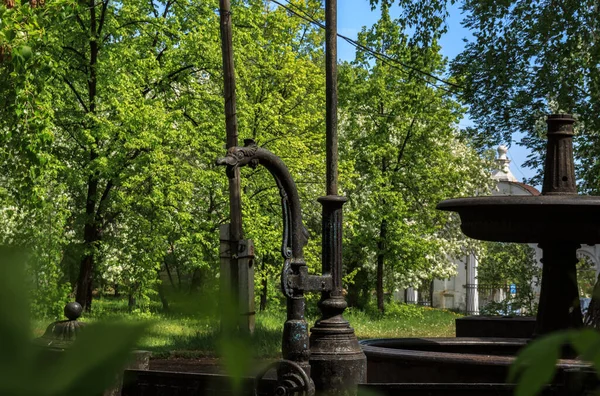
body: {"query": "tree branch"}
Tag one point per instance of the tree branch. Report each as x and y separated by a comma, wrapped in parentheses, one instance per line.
(167, 77)
(102, 17)
(80, 22)
(104, 200)
(401, 152)
(76, 141)
(79, 99)
(75, 51)
(189, 117)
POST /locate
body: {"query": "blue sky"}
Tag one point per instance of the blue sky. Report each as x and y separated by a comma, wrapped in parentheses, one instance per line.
(354, 14)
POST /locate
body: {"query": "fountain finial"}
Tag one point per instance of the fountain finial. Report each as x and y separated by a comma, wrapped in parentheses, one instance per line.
(559, 169)
(503, 173)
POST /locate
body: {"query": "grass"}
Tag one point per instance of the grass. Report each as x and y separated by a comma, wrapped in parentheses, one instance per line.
(194, 333)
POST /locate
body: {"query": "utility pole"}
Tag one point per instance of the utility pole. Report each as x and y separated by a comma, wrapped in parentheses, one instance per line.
(237, 269)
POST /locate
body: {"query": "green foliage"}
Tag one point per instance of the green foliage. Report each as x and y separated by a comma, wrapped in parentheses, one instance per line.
(89, 366)
(113, 115)
(426, 18)
(536, 363)
(586, 277)
(505, 264)
(281, 103)
(528, 59)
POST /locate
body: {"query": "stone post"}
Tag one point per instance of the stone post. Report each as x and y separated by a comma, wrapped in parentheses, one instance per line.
(412, 295)
(472, 294)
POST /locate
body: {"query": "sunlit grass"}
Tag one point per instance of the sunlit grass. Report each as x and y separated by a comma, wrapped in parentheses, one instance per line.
(196, 334)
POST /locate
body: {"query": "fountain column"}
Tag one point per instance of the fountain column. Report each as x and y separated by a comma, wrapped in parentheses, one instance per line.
(559, 306)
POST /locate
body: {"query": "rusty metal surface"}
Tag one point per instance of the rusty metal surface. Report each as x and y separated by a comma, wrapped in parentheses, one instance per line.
(525, 219)
(331, 97)
(446, 360)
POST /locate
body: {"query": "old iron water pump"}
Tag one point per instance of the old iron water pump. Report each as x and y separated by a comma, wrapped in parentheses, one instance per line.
(337, 361)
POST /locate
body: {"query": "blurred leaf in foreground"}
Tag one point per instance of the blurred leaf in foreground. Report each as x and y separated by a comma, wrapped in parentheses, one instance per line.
(536, 363)
(235, 347)
(88, 367)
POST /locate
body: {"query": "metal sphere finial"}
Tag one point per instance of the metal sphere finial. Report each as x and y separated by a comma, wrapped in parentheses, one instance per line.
(73, 310)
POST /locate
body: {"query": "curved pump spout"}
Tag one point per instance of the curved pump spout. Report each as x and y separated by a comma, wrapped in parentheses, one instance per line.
(294, 278)
(295, 235)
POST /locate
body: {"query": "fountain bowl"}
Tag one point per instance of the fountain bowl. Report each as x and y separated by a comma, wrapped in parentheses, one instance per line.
(447, 360)
(529, 219)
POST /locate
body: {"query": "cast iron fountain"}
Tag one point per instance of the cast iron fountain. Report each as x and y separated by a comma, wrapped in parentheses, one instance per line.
(558, 220)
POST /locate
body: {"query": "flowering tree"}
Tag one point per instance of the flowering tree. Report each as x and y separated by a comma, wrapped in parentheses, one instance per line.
(400, 138)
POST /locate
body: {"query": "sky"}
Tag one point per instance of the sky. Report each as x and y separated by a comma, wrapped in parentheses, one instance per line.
(354, 14)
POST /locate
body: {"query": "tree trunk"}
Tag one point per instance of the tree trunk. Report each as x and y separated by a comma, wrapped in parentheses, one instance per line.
(163, 299)
(117, 294)
(197, 281)
(263, 293)
(131, 301)
(178, 278)
(90, 237)
(91, 234)
(165, 261)
(380, 262)
(161, 293)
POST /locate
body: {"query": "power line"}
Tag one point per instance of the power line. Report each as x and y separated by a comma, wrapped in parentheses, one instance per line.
(379, 55)
(516, 163)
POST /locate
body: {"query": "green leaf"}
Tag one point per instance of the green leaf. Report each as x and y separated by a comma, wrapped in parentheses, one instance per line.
(587, 344)
(94, 361)
(535, 365)
(25, 52)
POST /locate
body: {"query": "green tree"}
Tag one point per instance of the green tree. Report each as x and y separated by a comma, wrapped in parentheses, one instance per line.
(503, 264)
(103, 96)
(111, 117)
(528, 59)
(401, 141)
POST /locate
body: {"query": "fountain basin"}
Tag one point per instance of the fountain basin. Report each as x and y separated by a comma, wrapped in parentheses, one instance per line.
(446, 360)
(529, 219)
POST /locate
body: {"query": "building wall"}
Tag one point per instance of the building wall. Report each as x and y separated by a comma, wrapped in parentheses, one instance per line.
(451, 293)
